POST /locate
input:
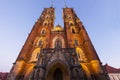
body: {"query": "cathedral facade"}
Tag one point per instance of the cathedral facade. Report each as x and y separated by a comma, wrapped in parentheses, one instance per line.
(58, 53)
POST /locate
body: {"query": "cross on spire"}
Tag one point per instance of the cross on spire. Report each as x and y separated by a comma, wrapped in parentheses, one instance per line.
(52, 3)
(64, 3)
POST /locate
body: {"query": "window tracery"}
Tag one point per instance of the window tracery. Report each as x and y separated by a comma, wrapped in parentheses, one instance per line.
(58, 43)
(35, 55)
(76, 42)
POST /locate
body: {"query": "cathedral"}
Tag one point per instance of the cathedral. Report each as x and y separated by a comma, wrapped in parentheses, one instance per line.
(58, 52)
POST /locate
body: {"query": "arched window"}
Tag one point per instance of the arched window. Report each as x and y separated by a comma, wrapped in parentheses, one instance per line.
(73, 31)
(58, 43)
(43, 31)
(78, 54)
(45, 23)
(40, 43)
(37, 56)
(71, 23)
(76, 42)
(70, 17)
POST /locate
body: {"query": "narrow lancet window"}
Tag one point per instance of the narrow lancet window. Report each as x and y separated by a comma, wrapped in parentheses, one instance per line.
(40, 43)
(76, 42)
(43, 31)
(58, 43)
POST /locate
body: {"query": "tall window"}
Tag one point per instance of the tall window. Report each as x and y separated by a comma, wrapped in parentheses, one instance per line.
(73, 30)
(71, 23)
(43, 31)
(45, 23)
(58, 43)
(37, 56)
(40, 43)
(76, 42)
(78, 54)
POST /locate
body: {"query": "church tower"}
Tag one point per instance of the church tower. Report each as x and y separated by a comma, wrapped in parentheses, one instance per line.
(58, 53)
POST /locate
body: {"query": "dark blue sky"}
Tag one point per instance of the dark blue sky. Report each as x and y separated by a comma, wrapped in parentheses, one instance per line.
(101, 19)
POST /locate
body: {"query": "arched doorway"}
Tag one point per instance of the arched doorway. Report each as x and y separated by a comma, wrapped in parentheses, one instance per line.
(57, 70)
(58, 74)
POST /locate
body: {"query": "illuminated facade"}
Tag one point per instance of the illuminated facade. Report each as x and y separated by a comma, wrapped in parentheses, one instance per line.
(56, 53)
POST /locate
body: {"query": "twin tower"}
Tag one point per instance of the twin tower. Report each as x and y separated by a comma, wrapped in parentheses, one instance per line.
(58, 53)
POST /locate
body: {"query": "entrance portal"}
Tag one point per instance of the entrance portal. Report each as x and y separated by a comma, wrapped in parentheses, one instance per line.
(57, 70)
(58, 74)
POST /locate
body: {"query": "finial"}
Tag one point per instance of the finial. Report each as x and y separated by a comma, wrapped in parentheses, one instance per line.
(52, 3)
(65, 3)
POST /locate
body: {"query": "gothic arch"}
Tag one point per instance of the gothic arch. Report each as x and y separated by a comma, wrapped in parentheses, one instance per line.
(53, 66)
(81, 54)
(76, 42)
(62, 41)
(71, 23)
(43, 31)
(45, 23)
(38, 41)
(58, 43)
(73, 30)
(35, 41)
(58, 74)
(69, 17)
(35, 55)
